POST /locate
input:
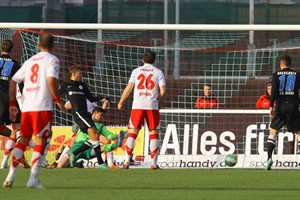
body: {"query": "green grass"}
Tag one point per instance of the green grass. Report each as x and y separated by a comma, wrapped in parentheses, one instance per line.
(72, 184)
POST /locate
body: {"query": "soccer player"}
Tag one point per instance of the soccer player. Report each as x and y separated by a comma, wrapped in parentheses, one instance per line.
(8, 67)
(284, 104)
(39, 74)
(77, 92)
(105, 136)
(149, 86)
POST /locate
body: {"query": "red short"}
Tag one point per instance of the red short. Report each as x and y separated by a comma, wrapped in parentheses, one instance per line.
(38, 123)
(137, 117)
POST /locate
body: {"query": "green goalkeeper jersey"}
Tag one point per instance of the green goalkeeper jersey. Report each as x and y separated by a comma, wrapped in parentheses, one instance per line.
(101, 129)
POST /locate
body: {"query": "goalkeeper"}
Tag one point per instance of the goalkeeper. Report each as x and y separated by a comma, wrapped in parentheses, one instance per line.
(105, 137)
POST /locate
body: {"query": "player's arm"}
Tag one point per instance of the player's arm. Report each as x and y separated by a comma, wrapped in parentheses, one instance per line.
(125, 94)
(13, 110)
(105, 103)
(89, 95)
(162, 94)
(53, 87)
(274, 94)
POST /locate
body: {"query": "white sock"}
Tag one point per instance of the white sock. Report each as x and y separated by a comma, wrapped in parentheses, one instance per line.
(64, 153)
(8, 149)
(110, 158)
(154, 148)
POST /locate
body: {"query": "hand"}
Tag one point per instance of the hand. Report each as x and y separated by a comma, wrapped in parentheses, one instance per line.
(105, 100)
(13, 112)
(120, 106)
(272, 113)
(61, 106)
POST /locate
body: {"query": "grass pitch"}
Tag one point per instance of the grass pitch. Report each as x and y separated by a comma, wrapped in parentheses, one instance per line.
(73, 184)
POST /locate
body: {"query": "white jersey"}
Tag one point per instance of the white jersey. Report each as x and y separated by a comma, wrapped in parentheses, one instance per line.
(147, 80)
(35, 73)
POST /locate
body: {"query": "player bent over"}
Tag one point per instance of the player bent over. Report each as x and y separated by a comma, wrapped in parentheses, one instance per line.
(105, 136)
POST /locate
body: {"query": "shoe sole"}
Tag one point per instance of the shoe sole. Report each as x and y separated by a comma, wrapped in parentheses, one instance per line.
(35, 187)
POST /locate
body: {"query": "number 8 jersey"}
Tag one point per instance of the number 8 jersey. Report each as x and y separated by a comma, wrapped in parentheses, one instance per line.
(147, 79)
(34, 72)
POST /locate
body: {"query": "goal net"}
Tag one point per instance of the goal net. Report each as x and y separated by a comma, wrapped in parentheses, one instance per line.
(190, 137)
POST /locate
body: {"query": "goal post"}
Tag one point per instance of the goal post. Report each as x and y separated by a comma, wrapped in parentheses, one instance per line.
(204, 54)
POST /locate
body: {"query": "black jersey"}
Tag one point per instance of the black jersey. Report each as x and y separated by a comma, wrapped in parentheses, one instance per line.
(8, 67)
(285, 87)
(77, 92)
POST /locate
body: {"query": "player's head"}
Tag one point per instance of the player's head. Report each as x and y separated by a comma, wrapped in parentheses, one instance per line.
(7, 46)
(46, 42)
(98, 113)
(207, 89)
(76, 72)
(149, 57)
(285, 61)
(268, 88)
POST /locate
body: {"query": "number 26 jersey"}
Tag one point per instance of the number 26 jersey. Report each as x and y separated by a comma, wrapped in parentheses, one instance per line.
(147, 79)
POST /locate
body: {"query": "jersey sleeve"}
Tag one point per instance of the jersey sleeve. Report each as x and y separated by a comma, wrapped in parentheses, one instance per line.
(132, 76)
(53, 69)
(20, 74)
(162, 81)
(16, 67)
(61, 88)
(275, 89)
(88, 94)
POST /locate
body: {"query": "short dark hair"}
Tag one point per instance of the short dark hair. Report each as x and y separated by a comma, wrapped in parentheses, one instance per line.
(7, 46)
(74, 68)
(98, 109)
(206, 84)
(286, 60)
(46, 41)
(149, 57)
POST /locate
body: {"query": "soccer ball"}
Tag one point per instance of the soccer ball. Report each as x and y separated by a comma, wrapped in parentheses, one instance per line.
(230, 160)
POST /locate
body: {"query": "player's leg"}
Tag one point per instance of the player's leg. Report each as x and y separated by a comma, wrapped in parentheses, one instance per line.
(153, 122)
(20, 146)
(135, 123)
(271, 143)
(86, 124)
(4, 119)
(9, 145)
(42, 122)
(276, 123)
